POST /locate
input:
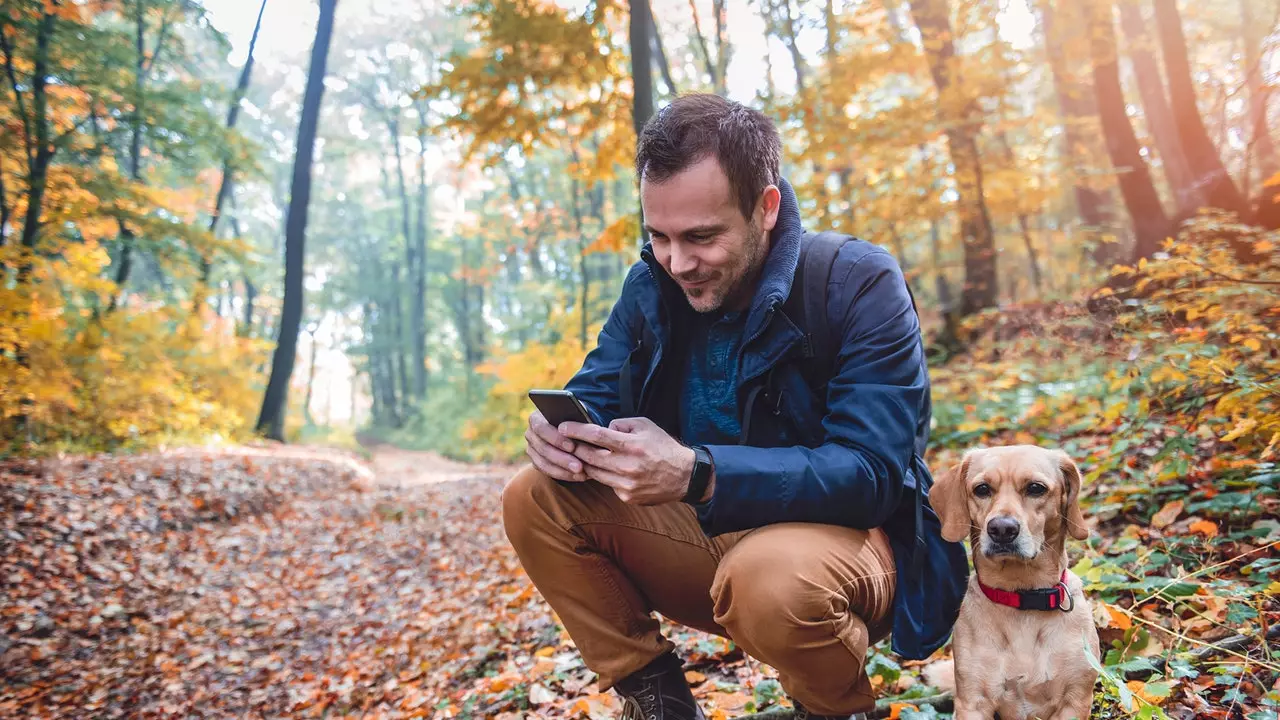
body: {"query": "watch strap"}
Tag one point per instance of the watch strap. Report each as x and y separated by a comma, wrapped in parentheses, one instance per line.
(700, 475)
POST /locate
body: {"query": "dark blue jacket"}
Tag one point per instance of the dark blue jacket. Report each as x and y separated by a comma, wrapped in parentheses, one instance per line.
(844, 453)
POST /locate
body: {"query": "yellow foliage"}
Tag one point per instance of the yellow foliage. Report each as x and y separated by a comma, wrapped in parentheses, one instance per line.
(72, 373)
(499, 428)
(616, 237)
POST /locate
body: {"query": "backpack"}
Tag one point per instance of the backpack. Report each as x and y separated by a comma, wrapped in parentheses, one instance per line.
(808, 309)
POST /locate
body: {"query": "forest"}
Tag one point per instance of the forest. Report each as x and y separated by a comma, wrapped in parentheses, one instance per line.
(259, 231)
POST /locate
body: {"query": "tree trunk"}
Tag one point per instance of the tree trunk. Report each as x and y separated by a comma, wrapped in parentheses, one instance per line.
(960, 117)
(419, 319)
(271, 419)
(1262, 146)
(1150, 223)
(127, 236)
(660, 55)
(1155, 108)
(1206, 167)
(233, 114)
(702, 44)
(42, 157)
(1084, 149)
(1032, 260)
(398, 363)
(797, 58)
(311, 378)
(639, 32)
(722, 47)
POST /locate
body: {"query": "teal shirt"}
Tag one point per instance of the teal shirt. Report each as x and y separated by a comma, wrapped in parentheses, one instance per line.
(709, 403)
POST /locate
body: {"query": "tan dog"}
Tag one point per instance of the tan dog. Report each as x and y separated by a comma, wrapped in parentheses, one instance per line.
(1025, 625)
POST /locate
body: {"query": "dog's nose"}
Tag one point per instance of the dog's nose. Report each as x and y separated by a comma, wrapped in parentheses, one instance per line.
(1003, 529)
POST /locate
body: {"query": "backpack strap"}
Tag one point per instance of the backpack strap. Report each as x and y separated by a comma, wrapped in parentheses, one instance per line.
(806, 305)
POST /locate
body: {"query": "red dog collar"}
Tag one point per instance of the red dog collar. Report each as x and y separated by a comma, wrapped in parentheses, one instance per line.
(1054, 598)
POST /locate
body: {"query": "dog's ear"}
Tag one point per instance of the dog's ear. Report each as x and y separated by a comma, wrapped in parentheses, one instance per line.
(1071, 497)
(950, 499)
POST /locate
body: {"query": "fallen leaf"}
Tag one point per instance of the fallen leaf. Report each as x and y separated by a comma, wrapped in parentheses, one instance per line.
(895, 709)
(540, 695)
(1208, 528)
(1167, 514)
(1119, 618)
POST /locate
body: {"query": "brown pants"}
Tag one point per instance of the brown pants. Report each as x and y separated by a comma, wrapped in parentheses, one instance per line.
(807, 599)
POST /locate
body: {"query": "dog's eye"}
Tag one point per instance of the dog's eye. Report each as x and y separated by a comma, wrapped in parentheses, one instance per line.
(1036, 489)
(982, 490)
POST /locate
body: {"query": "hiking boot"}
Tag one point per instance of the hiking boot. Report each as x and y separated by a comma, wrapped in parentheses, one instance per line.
(802, 713)
(658, 692)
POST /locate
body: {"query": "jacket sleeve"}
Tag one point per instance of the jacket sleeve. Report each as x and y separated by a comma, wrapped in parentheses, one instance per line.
(596, 383)
(856, 477)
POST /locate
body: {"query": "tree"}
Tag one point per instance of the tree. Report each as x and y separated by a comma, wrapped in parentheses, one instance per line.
(960, 117)
(1259, 133)
(640, 31)
(233, 114)
(1150, 224)
(1068, 52)
(1206, 167)
(271, 419)
(1155, 108)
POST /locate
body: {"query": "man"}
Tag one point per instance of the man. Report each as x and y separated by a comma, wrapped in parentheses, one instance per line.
(721, 487)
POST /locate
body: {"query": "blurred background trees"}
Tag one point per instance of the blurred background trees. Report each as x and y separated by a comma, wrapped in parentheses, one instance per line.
(473, 207)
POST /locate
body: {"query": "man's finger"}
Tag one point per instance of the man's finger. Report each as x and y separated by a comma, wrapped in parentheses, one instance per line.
(596, 435)
(546, 468)
(631, 425)
(599, 457)
(545, 430)
(552, 454)
(608, 477)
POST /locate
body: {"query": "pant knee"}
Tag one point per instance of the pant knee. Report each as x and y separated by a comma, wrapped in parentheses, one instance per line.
(769, 599)
(524, 502)
(761, 595)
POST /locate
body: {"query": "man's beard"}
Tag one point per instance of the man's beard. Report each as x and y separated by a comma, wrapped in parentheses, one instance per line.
(741, 279)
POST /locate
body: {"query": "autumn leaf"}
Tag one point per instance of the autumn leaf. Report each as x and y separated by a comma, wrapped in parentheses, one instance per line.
(1208, 528)
(1167, 514)
(615, 238)
(1119, 618)
(895, 709)
(693, 677)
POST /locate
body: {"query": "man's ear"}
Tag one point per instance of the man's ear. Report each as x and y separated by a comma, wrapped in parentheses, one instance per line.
(950, 499)
(770, 204)
(1071, 497)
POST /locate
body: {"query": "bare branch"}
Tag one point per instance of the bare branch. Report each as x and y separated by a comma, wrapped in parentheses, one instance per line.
(702, 42)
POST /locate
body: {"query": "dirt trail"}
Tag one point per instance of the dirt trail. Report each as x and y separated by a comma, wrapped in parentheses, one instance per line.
(254, 582)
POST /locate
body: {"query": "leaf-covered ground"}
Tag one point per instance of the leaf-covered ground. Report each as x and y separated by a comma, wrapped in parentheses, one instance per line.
(256, 583)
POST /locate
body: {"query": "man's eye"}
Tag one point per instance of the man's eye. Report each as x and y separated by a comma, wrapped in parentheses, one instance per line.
(1036, 489)
(983, 490)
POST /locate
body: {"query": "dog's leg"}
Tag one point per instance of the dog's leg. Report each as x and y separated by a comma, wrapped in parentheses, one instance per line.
(1077, 710)
(973, 711)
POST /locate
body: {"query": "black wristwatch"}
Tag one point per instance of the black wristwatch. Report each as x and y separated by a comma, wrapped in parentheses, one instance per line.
(701, 475)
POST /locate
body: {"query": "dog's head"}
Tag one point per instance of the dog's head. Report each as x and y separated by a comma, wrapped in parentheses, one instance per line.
(1017, 500)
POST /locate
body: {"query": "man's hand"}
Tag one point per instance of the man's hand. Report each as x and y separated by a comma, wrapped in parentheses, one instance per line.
(639, 460)
(551, 452)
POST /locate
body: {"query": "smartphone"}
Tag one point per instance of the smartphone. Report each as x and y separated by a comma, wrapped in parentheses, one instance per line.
(559, 406)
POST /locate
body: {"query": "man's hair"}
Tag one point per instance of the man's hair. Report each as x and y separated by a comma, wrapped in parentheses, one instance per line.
(743, 141)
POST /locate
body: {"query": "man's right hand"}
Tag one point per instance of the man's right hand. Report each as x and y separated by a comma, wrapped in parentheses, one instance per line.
(551, 452)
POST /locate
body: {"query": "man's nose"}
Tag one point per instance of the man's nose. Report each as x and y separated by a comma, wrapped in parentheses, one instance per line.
(682, 261)
(1003, 529)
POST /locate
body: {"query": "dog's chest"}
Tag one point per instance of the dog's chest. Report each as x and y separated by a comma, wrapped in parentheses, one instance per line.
(1018, 662)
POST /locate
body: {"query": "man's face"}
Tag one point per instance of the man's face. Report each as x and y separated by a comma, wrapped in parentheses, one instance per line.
(701, 238)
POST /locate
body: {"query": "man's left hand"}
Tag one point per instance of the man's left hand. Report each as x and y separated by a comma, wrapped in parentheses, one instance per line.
(639, 460)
